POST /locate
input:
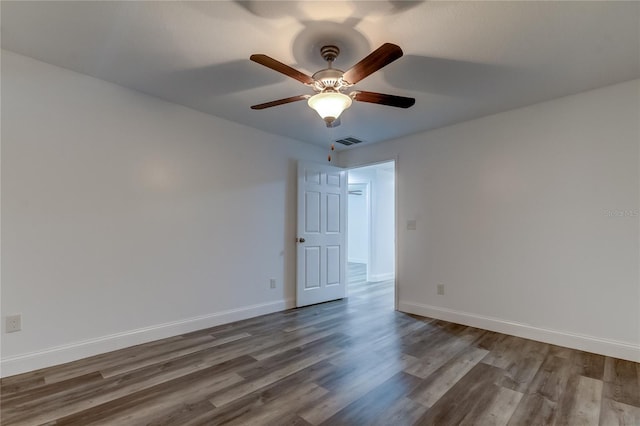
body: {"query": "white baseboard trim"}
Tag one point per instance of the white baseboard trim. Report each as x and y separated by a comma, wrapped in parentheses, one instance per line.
(357, 261)
(374, 278)
(608, 347)
(23, 363)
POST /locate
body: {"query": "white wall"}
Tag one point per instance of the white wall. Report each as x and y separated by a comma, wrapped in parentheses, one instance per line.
(126, 218)
(358, 224)
(380, 178)
(518, 215)
(384, 230)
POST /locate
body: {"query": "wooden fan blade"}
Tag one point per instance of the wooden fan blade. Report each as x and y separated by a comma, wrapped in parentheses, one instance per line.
(269, 62)
(377, 59)
(280, 102)
(382, 99)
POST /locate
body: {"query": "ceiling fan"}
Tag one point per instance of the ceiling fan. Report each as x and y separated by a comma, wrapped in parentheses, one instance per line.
(329, 101)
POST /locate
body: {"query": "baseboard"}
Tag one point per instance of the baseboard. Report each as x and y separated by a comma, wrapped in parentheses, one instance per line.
(17, 364)
(608, 347)
(357, 261)
(374, 278)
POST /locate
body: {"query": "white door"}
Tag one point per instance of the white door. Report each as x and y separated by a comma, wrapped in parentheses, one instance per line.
(322, 234)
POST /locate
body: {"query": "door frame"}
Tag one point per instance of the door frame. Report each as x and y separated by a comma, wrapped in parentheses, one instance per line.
(395, 161)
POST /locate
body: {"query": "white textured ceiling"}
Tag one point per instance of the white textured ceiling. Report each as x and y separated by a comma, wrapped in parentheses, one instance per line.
(462, 60)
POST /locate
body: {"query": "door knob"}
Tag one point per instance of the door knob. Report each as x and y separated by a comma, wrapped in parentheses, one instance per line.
(301, 240)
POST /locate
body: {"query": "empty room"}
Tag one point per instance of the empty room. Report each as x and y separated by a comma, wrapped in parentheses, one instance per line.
(320, 213)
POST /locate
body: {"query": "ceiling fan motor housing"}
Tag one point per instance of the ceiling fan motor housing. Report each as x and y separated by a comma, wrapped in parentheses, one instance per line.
(330, 78)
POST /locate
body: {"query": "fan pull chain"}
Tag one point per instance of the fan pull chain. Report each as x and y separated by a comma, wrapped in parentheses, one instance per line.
(333, 148)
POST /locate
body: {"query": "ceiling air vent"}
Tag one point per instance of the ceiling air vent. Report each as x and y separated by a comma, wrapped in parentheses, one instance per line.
(349, 141)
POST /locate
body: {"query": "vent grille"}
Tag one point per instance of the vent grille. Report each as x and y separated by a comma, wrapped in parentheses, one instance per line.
(349, 141)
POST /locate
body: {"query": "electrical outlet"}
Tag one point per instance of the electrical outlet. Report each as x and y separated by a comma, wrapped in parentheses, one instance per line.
(272, 283)
(13, 323)
(441, 289)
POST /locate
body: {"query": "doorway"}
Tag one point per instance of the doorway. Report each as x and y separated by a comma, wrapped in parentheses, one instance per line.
(371, 232)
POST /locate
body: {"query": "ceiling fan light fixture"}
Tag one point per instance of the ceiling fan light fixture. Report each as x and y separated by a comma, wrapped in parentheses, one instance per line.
(329, 105)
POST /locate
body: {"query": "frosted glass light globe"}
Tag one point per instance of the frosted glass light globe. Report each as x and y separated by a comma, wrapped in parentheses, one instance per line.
(329, 105)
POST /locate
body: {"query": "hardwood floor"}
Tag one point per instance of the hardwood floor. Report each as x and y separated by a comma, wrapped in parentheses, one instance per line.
(349, 362)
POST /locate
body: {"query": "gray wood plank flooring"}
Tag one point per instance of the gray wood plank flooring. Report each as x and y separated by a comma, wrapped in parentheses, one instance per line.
(347, 362)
